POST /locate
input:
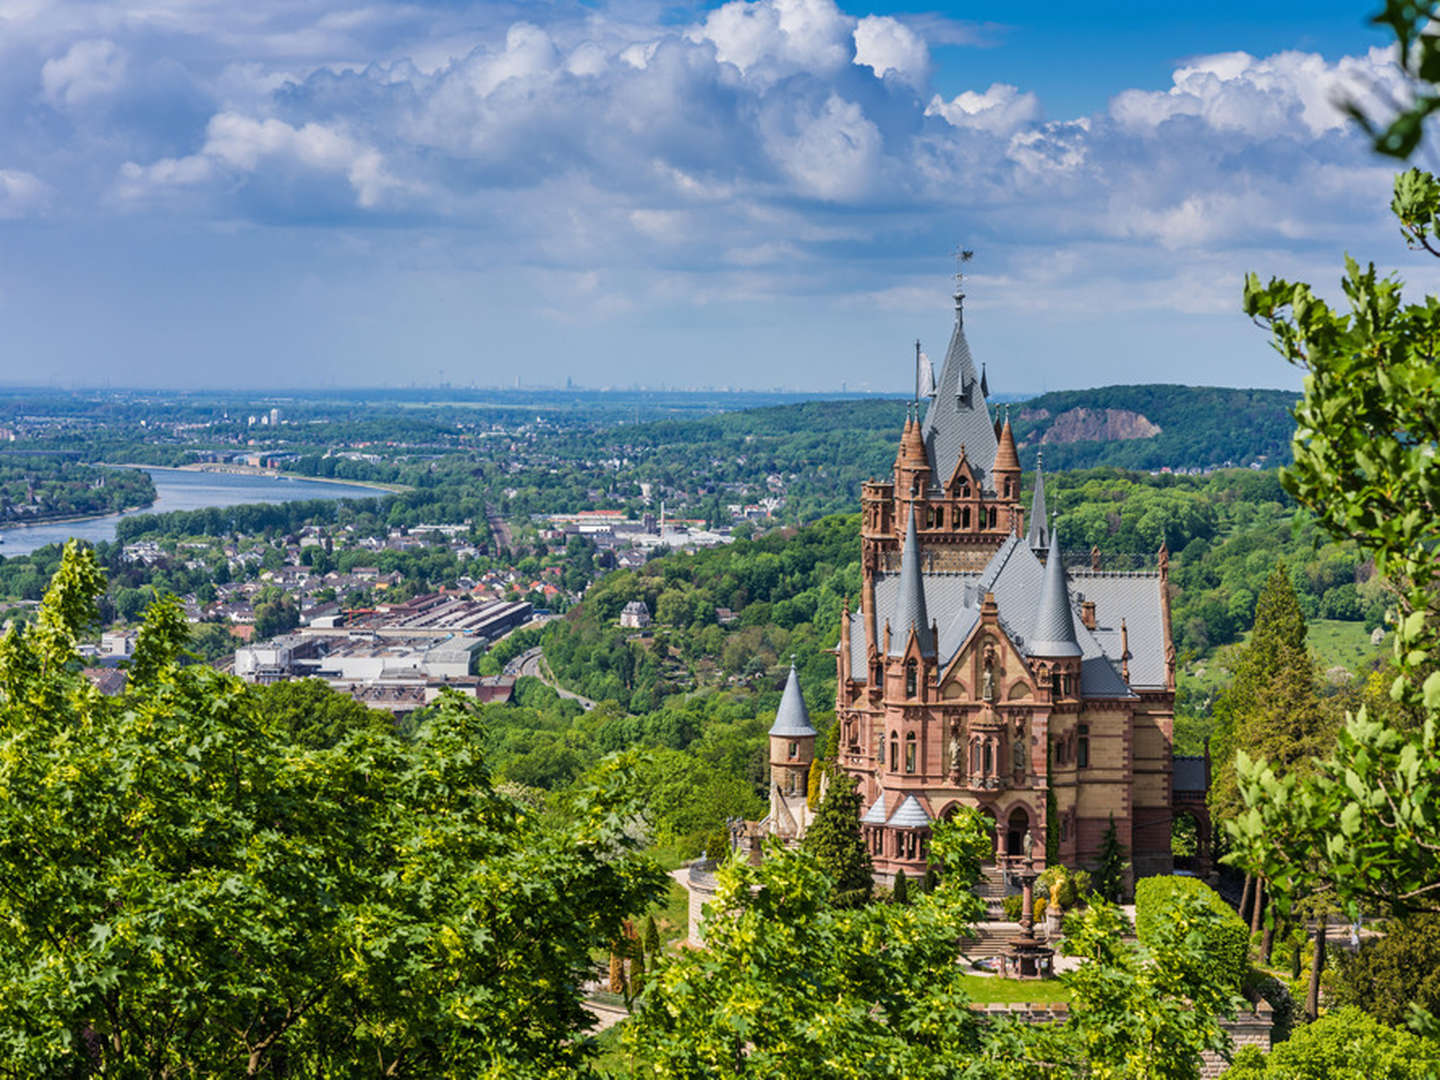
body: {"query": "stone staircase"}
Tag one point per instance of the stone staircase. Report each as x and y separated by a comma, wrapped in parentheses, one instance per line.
(989, 940)
(992, 889)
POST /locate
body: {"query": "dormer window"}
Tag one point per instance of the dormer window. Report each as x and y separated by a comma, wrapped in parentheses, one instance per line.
(964, 491)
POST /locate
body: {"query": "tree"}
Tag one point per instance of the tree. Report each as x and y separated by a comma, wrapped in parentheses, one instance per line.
(900, 891)
(1342, 1045)
(1395, 972)
(193, 891)
(1110, 872)
(1148, 1011)
(1365, 827)
(1271, 707)
(835, 840)
(787, 977)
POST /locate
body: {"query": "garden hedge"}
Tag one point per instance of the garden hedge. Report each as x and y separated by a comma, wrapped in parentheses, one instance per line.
(1227, 941)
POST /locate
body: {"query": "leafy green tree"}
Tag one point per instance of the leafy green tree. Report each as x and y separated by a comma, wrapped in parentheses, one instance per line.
(1394, 973)
(1144, 1012)
(314, 715)
(788, 981)
(1365, 828)
(834, 838)
(191, 891)
(1109, 877)
(1342, 1045)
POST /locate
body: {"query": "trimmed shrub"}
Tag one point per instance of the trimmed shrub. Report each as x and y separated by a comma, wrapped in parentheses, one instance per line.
(1227, 938)
(1013, 907)
(1343, 1045)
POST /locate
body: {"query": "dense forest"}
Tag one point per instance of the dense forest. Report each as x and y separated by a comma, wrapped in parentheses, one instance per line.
(1199, 427)
(38, 487)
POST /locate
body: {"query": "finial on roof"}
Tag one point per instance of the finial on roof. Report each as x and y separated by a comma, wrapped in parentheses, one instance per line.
(962, 256)
(984, 384)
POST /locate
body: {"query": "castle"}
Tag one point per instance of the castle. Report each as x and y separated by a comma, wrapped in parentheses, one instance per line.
(980, 670)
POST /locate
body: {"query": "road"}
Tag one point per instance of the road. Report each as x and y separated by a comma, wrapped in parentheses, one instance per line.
(532, 662)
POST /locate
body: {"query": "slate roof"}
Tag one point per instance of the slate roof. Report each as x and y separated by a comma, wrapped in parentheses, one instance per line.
(910, 609)
(792, 718)
(1053, 633)
(1189, 774)
(959, 415)
(1016, 577)
(909, 815)
(876, 814)
(1135, 598)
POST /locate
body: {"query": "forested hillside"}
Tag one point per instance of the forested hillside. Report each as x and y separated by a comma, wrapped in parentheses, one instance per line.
(824, 450)
(36, 487)
(1177, 427)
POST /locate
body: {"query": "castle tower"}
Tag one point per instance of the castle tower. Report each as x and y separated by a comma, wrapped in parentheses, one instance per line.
(792, 753)
(955, 469)
(982, 672)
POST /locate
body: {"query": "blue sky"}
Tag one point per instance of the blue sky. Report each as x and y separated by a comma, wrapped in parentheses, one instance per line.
(759, 193)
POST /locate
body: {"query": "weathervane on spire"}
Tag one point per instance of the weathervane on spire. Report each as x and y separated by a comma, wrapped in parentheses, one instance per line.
(962, 256)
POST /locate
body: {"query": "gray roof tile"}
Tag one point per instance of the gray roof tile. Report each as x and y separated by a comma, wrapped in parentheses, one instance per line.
(876, 814)
(1053, 632)
(959, 415)
(792, 718)
(1189, 774)
(909, 815)
(910, 609)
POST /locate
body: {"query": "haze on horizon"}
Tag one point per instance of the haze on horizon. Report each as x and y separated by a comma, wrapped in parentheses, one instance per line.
(759, 193)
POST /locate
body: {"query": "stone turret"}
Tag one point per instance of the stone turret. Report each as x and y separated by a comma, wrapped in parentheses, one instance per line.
(792, 753)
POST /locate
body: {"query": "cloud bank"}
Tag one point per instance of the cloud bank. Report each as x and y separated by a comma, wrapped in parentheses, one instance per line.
(762, 149)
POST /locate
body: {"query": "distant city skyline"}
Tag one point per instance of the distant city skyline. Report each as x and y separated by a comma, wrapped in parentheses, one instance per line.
(753, 194)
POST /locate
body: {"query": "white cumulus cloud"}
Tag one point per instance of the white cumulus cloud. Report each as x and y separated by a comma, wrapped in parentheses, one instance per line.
(1001, 109)
(773, 38)
(887, 45)
(88, 70)
(22, 194)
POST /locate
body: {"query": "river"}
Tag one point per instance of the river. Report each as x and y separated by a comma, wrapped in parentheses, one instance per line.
(177, 489)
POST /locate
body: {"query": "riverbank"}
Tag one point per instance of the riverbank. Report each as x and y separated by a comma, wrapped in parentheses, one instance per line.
(72, 518)
(269, 474)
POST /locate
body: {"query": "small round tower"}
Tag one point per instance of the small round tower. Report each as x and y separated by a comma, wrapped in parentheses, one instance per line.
(792, 753)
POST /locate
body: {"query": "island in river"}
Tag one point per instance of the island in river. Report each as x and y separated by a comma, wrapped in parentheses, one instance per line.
(180, 489)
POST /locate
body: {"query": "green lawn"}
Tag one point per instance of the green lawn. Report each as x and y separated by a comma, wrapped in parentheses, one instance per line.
(1344, 643)
(987, 989)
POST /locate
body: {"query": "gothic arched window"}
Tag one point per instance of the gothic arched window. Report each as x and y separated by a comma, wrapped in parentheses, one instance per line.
(911, 678)
(894, 752)
(910, 752)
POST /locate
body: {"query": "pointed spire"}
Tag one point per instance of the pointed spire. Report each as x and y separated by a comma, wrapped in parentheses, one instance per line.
(1039, 537)
(910, 612)
(792, 719)
(1054, 631)
(1006, 458)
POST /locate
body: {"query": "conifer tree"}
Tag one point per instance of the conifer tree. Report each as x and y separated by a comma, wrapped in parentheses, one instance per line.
(900, 891)
(652, 937)
(834, 838)
(1109, 879)
(1271, 709)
